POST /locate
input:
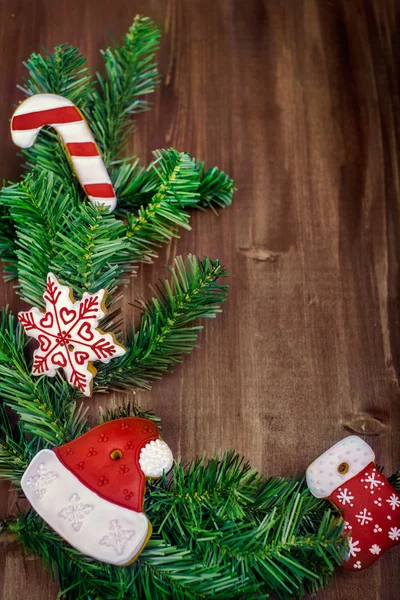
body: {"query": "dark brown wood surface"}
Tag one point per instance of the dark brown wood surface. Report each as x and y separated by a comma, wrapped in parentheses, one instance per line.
(298, 100)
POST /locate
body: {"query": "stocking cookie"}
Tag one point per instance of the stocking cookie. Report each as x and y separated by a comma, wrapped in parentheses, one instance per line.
(347, 476)
(91, 490)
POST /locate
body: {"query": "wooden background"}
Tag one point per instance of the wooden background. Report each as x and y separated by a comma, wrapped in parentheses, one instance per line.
(298, 101)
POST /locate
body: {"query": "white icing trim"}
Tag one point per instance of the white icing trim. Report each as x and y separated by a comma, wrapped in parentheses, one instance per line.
(35, 103)
(74, 132)
(94, 526)
(323, 476)
(90, 169)
(156, 458)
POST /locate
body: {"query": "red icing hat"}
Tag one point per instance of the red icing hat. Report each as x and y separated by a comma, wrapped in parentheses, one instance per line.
(106, 459)
(91, 490)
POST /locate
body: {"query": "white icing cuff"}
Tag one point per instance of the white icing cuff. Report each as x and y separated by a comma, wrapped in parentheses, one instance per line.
(94, 526)
(352, 454)
(156, 458)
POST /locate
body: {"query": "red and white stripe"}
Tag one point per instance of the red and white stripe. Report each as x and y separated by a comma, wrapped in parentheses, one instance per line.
(62, 114)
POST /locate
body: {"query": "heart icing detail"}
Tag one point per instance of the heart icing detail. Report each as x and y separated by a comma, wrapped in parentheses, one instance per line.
(80, 357)
(59, 359)
(44, 342)
(47, 320)
(67, 315)
(85, 332)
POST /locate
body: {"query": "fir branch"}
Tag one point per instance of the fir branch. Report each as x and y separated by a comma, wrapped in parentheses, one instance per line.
(159, 220)
(15, 454)
(36, 206)
(163, 336)
(216, 188)
(213, 508)
(64, 72)
(131, 73)
(135, 185)
(161, 572)
(46, 410)
(127, 409)
(92, 250)
(197, 550)
(7, 244)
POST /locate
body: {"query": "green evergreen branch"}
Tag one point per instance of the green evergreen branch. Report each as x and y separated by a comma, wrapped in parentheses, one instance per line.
(127, 409)
(135, 186)
(15, 455)
(163, 336)
(36, 206)
(92, 250)
(207, 554)
(131, 73)
(158, 221)
(46, 410)
(64, 72)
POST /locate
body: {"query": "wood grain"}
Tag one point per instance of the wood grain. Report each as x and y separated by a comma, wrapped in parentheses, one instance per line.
(298, 100)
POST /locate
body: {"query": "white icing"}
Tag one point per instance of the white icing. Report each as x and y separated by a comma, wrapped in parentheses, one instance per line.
(40, 102)
(323, 476)
(90, 169)
(94, 526)
(156, 458)
(74, 132)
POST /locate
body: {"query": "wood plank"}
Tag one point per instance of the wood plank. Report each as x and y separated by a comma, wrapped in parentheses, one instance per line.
(297, 100)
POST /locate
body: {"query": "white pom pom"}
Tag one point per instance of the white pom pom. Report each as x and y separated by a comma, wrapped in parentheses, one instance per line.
(156, 458)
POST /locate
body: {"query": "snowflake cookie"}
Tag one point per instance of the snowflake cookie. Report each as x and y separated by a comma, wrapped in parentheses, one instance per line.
(68, 335)
(346, 474)
(91, 490)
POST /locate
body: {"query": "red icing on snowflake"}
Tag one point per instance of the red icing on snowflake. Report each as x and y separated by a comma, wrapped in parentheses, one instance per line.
(68, 335)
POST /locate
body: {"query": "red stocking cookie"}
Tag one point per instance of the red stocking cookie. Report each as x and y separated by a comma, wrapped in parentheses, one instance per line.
(91, 491)
(347, 476)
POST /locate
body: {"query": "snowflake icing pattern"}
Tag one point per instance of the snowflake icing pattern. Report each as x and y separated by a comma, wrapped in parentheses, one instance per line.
(371, 481)
(394, 501)
(118, 538)
(394, 533)
(345, 496)
(41, 480)
(364, 517)
(68, 336)
(353, 547)
(76, 512)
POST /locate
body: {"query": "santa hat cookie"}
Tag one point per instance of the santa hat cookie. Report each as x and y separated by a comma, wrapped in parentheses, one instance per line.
(347, 476)
(91, 490)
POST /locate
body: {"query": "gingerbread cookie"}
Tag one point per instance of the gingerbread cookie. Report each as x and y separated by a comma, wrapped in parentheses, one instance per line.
(62, 115)
(91, 490)
(68, 335)
(347, 476)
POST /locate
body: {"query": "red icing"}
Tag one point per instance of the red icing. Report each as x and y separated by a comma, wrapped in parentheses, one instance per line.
(371, 508)
(120, 481)
(99, 190)
(82, 149)
(51, 116)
